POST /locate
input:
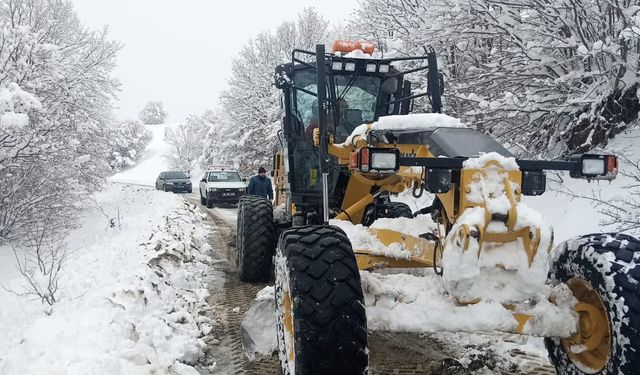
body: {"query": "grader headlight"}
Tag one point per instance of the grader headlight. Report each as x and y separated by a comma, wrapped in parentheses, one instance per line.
(594, 166)
(376, 160)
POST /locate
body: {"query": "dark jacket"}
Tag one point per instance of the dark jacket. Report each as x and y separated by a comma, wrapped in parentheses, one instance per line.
(260, 186)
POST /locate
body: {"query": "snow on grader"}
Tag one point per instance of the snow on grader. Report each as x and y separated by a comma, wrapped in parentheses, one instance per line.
(348, 144)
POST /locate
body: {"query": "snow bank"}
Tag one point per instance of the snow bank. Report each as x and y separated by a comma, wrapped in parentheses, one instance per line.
(130, 295)
(259, 335)
(362, 237)
(410, 303)
(420, 304)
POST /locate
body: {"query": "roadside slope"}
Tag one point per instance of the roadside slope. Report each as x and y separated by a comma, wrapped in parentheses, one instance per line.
(152, 163)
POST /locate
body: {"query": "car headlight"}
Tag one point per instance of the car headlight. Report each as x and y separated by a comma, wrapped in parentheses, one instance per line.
(213, 189)
(169, 183)
(240, 190)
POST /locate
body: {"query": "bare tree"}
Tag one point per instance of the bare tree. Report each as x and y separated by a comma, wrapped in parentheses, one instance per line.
(186, 144)
(39, 258)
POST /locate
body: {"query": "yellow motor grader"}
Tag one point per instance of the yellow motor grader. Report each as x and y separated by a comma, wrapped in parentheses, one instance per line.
(349, 144)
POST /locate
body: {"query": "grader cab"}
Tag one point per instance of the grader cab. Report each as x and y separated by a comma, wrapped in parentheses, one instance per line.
(348, 145)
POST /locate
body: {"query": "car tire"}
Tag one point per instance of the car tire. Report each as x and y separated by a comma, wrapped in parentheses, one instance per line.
(203, 200)
(209, 203)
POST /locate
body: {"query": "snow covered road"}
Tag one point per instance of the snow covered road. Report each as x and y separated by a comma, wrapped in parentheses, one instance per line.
(390, 352)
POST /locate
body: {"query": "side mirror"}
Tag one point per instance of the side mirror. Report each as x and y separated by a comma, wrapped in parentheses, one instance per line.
(594, 166)
(203, 180)
(244, 180)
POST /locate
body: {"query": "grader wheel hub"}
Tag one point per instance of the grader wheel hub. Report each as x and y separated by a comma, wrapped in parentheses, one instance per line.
(288, 327)
(590, 347)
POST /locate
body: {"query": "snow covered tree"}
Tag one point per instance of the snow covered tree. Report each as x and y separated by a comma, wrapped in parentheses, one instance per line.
(128, 141)
(248, 120)
(55, 104)
(186, 144)
(545, 77)
(153, 113)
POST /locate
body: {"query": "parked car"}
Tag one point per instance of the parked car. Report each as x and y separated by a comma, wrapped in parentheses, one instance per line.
(221, 186)
(175, 181)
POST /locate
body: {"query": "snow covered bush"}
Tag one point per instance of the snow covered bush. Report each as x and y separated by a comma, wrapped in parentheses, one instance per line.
(246, 127)
(128, 141)
(153, 113)
(55, 93)
(186, 144)
(552, 76)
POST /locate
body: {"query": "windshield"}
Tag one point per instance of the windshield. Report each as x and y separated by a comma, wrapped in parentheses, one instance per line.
(174, 175)
(224, 177)
(355, 105)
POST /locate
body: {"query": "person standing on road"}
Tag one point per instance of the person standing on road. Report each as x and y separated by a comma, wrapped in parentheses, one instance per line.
(260, 185)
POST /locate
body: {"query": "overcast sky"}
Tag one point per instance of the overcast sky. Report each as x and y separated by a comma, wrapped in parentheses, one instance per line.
(179, 51)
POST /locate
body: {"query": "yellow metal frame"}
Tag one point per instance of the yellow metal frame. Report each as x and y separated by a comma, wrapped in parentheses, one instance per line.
(593, 331)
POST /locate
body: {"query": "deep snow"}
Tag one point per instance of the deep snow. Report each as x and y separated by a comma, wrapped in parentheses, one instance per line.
(129, 294)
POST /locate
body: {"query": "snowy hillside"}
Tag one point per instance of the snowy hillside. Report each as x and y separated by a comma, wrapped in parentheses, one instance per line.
(152, 163)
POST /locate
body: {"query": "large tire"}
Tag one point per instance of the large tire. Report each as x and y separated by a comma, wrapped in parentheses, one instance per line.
(255, 239)
(610, 264)
(203, 200)
(322, 325)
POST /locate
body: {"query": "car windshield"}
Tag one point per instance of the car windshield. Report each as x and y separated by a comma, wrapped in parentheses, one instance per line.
(224, 177)
(174, 175)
